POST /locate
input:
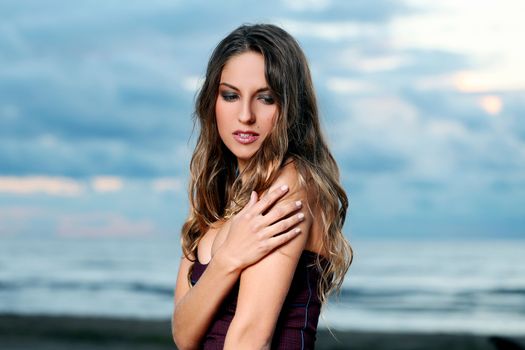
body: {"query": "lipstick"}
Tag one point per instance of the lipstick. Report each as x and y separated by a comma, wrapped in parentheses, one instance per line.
(245, 137)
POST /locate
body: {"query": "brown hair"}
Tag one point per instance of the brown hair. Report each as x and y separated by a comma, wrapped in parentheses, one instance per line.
(216, 193)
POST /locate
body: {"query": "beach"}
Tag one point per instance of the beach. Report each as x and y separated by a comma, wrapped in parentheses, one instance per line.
(68, 332)
(110, 292)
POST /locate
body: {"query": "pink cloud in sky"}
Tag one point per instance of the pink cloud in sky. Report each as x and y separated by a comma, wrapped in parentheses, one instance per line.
(107, 183)
(57, 186)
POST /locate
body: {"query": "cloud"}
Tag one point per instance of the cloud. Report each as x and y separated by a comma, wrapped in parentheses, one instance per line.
(51, 155)
(370, 62)
(446, 129)
(378, 11)
(109, 89)
(56, 186)
(373, 160)
(16, 220)
(20, 213)
(446, 104)
(83, 96)
(491, 104)
(167, 184)
(329, 30)
(384, 112)
(307, 5)
(409, 103)
(349, 86)
(478, 32)
(103, 225)
(107, 183)
(478, 81)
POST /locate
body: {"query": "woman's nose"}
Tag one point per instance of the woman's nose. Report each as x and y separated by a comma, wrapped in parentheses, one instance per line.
(246, 114)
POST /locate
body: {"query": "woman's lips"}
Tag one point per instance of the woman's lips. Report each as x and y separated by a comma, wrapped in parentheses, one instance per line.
(245, 137)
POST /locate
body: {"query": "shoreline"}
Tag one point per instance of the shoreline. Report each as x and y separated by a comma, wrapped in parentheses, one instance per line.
(78, 332)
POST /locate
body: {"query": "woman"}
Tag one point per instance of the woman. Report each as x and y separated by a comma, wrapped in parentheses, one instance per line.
(256, 271)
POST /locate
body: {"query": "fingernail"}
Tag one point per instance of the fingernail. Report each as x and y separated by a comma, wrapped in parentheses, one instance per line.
(297, 230)
(284, 187)
(300, 216)
(298, 204)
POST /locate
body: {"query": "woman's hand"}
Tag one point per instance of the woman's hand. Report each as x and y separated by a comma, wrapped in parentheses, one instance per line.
(256, 231)
(250, 235)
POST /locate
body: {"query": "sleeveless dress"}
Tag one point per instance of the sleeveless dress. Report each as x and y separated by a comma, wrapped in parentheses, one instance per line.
(296, 326)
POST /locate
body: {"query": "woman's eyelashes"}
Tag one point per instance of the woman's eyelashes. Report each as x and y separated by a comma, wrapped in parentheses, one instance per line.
(267, 99)
(231, 97)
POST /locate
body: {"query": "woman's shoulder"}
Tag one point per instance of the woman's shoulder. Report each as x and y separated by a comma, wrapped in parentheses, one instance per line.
(288, 172)
(300, 182)
(302, 188)
(290, 175)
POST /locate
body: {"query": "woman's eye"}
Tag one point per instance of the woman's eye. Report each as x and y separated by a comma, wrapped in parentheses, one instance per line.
(228, 97)
(267, 99)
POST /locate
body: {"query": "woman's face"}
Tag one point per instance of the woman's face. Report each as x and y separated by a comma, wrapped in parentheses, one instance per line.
(245, 108)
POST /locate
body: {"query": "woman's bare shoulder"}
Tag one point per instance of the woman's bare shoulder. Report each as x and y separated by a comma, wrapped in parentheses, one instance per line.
(300, 184)
(302, 188)
(288, 175)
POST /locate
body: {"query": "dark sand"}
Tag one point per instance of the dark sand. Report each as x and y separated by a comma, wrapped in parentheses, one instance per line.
(60, 333)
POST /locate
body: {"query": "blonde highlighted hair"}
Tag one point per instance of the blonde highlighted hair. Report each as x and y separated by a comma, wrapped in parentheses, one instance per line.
(216, 192)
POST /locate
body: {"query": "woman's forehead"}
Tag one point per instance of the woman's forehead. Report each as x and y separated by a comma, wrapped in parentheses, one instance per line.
(245, 70)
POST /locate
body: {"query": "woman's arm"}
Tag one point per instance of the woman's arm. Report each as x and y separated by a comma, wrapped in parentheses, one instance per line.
(264, 285)
(195, 307)
(250, 237)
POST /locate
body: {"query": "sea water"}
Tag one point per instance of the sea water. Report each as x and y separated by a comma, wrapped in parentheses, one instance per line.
(392, 285)
(450, 286)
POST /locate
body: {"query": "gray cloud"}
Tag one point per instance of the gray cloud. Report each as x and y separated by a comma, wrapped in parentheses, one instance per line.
(358, 10)
(373, 160)
(102, 88)
(451, 105)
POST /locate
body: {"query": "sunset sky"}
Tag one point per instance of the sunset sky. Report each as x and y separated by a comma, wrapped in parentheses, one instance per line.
(423, 103)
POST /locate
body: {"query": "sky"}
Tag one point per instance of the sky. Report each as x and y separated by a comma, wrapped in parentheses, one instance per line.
(423, 103)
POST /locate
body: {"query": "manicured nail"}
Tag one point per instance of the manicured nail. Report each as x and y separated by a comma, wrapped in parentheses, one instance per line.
(298, 204)
(297, 230)
(284, 187)
(300, 216)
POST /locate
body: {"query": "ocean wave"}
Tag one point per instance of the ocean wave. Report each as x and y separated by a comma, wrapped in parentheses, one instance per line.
(508, 291)
(103, 286)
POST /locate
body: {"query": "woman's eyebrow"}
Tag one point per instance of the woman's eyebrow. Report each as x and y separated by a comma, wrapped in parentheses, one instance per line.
(235, 88)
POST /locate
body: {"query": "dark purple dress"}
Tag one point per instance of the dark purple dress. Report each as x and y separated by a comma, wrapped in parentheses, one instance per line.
(297, 323)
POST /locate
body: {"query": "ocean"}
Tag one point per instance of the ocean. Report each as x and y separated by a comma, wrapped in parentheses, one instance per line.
(475, 286)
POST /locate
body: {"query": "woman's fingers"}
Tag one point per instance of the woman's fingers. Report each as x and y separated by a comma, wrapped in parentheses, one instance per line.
(251, 202)
(269, 199)
(253, 198)
(280, 211)
(283, 225)
(277, 226)
(281, 239)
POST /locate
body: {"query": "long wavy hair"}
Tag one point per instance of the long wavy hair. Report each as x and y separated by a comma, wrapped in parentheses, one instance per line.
(217, 191)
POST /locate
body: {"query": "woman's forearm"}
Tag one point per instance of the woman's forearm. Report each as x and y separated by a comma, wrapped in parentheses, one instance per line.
(249, 237)
(193, 314)
(247, 335)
